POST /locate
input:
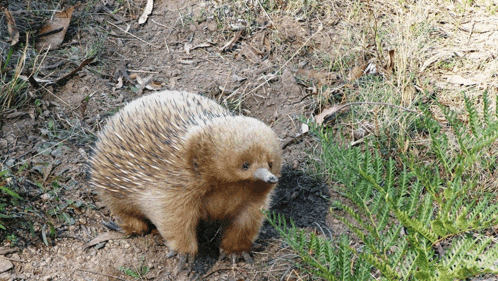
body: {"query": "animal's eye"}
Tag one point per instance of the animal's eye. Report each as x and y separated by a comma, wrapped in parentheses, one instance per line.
(270, 165)
(245, 166)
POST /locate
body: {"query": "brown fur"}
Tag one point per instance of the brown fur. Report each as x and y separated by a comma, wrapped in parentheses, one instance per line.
(175, 158)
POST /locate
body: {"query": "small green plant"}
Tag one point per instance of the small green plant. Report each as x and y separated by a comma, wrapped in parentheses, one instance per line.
(419, 217)
(12, 238)
(11, 85)
(135, 273)
(320, 256)
(11, 199)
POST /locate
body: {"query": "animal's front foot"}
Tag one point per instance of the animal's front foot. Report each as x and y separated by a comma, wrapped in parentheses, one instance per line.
(185, 261)
(234, 257)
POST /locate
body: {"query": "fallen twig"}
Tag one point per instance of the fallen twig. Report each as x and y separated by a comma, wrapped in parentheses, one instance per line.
(222, 269)
(85, 62)
(132, 35)
(99, 273)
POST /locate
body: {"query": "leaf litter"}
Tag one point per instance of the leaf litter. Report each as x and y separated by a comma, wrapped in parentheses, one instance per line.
(52, 34)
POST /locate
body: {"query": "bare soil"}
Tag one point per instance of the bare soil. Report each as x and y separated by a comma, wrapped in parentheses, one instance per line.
(180, 47)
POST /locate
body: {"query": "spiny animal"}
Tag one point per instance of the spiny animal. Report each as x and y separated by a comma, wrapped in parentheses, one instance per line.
(176, 158)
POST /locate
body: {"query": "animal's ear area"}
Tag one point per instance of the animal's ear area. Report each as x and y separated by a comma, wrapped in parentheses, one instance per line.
(193, 157)
(196, 154)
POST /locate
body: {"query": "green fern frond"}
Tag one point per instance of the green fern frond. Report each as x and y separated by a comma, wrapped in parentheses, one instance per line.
(474, 122)
(487, 114)
(321, 257)
(406, 211)
(382, 266)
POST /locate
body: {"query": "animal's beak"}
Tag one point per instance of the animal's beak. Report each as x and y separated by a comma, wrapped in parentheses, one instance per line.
(265, 175)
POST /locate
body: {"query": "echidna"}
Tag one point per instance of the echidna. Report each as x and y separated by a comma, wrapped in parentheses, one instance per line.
(174, 158)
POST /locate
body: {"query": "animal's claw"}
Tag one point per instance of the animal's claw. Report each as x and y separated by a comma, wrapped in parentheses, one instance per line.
(247, 257)
(112, 225)
(171, 254)
(185, 261)
(236, 257)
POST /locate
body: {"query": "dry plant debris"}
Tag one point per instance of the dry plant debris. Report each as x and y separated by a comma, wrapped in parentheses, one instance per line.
(51, 35)
(147, 11)
(11, 27)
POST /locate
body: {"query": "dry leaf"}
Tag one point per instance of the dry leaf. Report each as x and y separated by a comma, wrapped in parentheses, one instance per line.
(320, 118)
(318, 77)
(14, 114)
(457, 79)
(133, 76)
(357, 72)
(120, 82)
(250, 53)
(52, 34)
(187, 47)
(106, 236)
(390, 64)
(147, 11)
(11, 27)
(154, 85)
(39, 80)
(202, 45)
(232, 41)
(260, 43)
(408, 95)
(442, 56)
(289, 82)
(304, 128)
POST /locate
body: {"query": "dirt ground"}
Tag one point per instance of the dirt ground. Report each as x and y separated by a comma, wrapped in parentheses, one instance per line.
(179, 48)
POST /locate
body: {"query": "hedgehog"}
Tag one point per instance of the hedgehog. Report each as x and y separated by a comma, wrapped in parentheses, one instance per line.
(174, 159)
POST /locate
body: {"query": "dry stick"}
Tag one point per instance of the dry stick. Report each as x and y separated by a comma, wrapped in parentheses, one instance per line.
(83, 64)
(378, 103)
(262, 8)
(16, 260)
(222, 269)
(132, 35)
(99, 273)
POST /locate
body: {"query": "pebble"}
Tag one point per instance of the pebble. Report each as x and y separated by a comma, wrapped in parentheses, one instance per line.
(5, 264)
(126, 245)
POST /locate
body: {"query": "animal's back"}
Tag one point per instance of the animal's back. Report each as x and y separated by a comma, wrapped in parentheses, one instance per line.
(145, 141)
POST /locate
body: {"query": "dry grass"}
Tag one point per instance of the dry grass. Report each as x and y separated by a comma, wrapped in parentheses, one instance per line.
(440, 47)
(442, 51)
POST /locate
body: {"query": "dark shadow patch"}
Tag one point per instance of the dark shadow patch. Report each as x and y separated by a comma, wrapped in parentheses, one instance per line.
(303, 199)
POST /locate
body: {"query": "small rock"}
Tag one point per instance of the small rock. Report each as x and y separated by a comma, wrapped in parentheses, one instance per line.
(5, 264)
(10, 162)
(126, 245)
(57, 152)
